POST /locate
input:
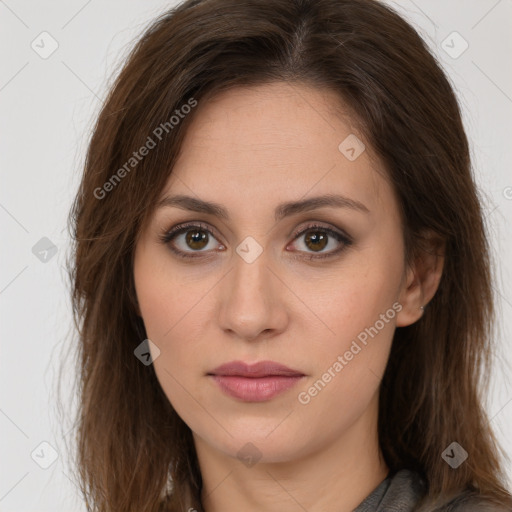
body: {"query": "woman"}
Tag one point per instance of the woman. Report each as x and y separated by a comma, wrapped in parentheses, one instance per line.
(281, 275)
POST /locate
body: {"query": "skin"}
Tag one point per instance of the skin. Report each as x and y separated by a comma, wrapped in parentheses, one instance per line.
(250, 149)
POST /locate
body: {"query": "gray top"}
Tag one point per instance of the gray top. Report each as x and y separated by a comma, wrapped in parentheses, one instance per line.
(399, 492)
(402, 491)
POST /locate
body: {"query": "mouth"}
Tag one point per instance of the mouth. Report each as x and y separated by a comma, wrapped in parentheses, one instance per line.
(257, 382)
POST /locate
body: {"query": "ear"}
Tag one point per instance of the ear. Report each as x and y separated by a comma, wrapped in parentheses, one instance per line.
(422, 279)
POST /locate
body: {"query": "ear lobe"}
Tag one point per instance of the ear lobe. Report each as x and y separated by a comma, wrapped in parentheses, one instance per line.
(422, 280)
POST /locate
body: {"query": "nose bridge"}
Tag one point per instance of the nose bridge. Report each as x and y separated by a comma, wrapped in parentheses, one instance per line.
(251, 302)
(250, 275)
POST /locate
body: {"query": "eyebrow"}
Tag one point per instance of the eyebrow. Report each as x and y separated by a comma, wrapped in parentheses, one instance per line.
(283, 210)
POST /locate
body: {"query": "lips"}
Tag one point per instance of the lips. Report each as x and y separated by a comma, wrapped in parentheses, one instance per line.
(256, 370)
(257, 382)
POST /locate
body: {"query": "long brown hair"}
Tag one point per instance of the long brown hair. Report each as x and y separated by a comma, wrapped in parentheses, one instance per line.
(134, 453)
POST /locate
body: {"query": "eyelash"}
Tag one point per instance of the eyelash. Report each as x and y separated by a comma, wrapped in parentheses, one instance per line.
(168, 236)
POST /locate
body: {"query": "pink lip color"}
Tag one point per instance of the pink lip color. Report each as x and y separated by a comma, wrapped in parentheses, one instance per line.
(255, 389)
(255, 382)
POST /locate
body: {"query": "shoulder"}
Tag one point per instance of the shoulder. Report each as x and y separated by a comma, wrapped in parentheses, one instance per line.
(407, 491)
(472, 503)
(399, 492)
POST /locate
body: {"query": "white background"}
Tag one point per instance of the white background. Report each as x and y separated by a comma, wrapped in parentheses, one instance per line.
(47, 108)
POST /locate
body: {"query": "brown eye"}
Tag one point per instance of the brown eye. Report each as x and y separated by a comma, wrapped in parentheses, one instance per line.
(190, 240)
(196, 239)
(316, 240)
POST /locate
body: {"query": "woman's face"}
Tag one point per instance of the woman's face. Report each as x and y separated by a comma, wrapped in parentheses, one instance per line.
(324, 302)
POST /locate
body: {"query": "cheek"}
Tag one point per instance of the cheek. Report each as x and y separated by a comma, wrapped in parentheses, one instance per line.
(355, 294)
(349, 361)
(161, 293)
(170, 323)
(358, 305)
(173, 307)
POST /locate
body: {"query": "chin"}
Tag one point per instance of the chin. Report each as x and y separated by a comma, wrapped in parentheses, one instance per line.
(254, 445)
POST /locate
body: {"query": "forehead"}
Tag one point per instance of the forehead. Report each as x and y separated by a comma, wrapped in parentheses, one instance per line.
(269, 118)
(263, 144)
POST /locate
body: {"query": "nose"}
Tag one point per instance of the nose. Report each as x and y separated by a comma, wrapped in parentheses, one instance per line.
(253, 300)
